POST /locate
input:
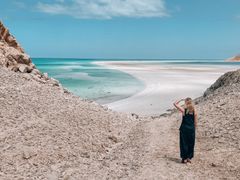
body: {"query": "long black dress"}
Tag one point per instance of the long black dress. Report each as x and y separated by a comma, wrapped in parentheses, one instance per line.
(187, 136)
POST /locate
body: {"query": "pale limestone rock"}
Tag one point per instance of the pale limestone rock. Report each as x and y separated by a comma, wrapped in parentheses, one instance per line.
(28, 153)
(11, 53)
(23, 68)
(6, 37)
(13, 57)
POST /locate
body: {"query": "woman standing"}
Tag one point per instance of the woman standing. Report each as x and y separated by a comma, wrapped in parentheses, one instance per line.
(187, 129)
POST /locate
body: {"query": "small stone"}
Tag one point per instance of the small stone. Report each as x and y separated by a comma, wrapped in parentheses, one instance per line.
(52, 176)
(28, 153)
(135, 115)
(66, 91)
(54, 82)
(105, 108)
(35, 72)
(10, 102)
(213, 165)
(113, 138)
(85, 155)
(222, 104)
(23, 68)
(45, 74)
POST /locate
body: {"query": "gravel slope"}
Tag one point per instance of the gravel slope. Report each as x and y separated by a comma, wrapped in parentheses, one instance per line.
(46, 132)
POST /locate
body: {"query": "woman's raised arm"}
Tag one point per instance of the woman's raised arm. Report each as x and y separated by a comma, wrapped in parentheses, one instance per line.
(176, 104)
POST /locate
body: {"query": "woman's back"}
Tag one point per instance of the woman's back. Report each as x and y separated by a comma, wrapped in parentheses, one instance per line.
(187, 120)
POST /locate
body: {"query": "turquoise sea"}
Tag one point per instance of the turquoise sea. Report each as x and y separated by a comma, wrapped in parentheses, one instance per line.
(90, 81)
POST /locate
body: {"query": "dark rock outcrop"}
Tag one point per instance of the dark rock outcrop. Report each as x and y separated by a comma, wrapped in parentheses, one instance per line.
(226, 80)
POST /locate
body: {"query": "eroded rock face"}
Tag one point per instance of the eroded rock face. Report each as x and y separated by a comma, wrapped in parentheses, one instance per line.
(6, 37)
(12, 54)
(13, 57)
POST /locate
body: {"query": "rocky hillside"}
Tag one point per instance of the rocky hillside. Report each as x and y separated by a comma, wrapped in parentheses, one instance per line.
(220, 105)
(225, 82)
(13, 57)
(219, 124)
(46, 132)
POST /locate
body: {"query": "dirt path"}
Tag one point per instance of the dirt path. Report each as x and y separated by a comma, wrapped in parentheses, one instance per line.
(157, 154)
(162, 152)
(161, 160)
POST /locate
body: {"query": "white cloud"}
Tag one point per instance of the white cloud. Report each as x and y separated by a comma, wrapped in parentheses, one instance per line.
(105, 9)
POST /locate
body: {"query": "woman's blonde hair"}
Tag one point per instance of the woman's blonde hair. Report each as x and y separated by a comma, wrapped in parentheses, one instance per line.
(189, 105)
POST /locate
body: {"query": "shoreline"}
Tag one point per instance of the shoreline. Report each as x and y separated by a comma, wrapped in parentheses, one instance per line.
(161, 82)
(90, 81)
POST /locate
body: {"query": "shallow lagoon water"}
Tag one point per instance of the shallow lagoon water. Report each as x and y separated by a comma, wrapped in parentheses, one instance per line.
(90, 81)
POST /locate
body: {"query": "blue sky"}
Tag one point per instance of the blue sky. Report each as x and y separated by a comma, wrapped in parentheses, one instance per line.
(147, 29)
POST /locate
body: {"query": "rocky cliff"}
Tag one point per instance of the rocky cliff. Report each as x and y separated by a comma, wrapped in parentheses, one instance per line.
(13, 57)
(6, 37)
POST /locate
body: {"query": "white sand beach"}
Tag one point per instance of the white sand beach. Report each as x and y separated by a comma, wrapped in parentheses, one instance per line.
(164, 84)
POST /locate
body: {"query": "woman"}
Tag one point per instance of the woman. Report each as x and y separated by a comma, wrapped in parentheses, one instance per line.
(187, 129)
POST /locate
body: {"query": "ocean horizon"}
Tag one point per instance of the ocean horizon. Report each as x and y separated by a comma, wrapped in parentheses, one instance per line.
(91, 81)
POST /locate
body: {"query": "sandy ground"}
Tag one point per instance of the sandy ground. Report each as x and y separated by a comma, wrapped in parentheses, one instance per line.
(163, 84)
